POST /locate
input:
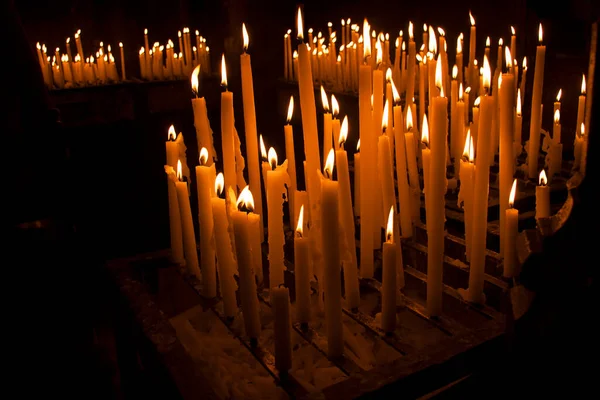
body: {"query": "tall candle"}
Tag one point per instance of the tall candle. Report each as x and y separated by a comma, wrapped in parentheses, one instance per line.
(459, 59)
(357, 190)
(282, 328)
(204, 134)
(523, 77)
(580, 108)
(583, 151)
(123, 72)
(401, 172)
(327, 129)
(465, 195)
(385, 165)
(275, 192)
(302, 270)
(507, 105)
(455, 139)
(388, 279)
(227, 130)
(226, 262)
(511, 229)
(290, 155)
(410, 67)
(250, 124)
(555, 150)
(460, 124)
(80, 49)
(542, 197)
(518, 148)
(348, 247)
(205, 176)
(472, 39)
(331, 257)
(480, 192)
(536, 101)
(413, 172)
(426, 159)
(172, 148)
(377, 114)
(187, 225)
(368, 166)
(248, 295)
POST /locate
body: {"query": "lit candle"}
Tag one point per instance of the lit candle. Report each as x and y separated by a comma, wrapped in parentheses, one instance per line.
(465, 195)
(69, 59)
(286, 66)
(205, 176)
(225, 257)
(455, 137)
(460, 124)
(385, 164)
(580, 108)
(204, 134)
(513, 43)
(348, 247)
(227, 130)
(377, 114)
(507, 160)
(248, 295)
(123, 73)
(523, 77)
(357, 194)
(518, 147)
(511, 229)
(542, 197)
(480, 192)
(426, 157)
(302, 270)
(368, 164)
(557, 102)
(275, 197)
(472, 37)
(413, 172)
(282, 328)
(401, 172)
(388, 279)
(331, 257)
(80, 49)
(555, 150)
(583, 151)
(172, 148)
(327, 129)
(459, 58)
(536, 102)
(290, 155)
(187, 225)
(422, 75)
(467, 101)
(410, 67)
(250, 124)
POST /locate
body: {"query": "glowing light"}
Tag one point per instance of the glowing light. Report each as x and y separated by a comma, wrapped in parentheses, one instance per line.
(583, 84)
(488, 42)
(500, 42)
(379, 56)
(300, 25)
(324, 100)
(459, 45)
(524, 64)
(194, 79)
(272, 158)
(519, 102)
(389, 231)
(328, 170)
(171, 134)
(513, 194)
(471, 151)
(540, 33)
(425, 131)
(335, 107)
(438, 76)
(454, 71)
(263, 149)
(245, 37)
(486, 73)
(508, 57)
(559, 95)
(441, 31)
(467, 143)
(300, 225)
(543, 179)
(384, 119)
(290, 109)
(223, 71)
(512, 30)
(245, 200)
(203, 156)
(179, 173)
(219, 183)
(344, 132)
(477, 101)
(358, 145)
(557, 116)
(460, 91)
(395, 93)
(409, 119)
(367, 42)
(582, 129)
(432, 42)
(471, 18)
(388, 75)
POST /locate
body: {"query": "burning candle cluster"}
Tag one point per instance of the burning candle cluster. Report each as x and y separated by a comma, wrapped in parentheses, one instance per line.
(448, 130)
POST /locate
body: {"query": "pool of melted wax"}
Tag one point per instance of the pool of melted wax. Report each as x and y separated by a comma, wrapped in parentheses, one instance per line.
(233, 371)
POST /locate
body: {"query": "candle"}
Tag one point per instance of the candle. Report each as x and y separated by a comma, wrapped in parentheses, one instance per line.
(331, 257)
(377, 114)
(225, 257)
(385, 164)
(286, 66)
(455, 138)
(282, 328)
(357, 190)
(511, 229)
(69, 60)
(401, 173)
(204, 134)
(426, 157)
(249, 298)
(368, 164)
(480, 192)
(580, 107)
(523, 77)
(513, 43)
(388, 279)
(348, 243)
(578, 145)
(79, 49)
(422, 75)
(302, 270)
(187, 225)
(518, 148)
(335, 122)
(542, 197)
(467, 101)
(327, 129)
(472, 37)
(205, 176)
(290, 155)
(536, 101)
(583, 151)
(172, 148)
(459, 58)
(465, 195)
(555, 150)
(507, 161)
(250, 124)
(275, 192)
(123, 73)
(227, 130)
(410, 67)
(413, 172)
(460, 124)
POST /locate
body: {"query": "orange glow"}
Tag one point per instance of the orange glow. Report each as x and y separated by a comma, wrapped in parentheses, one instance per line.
(290, 109)
(410, 30)
(219, 184)
(424, 27)
(344, 132)
(403, 46)
(519, 102)
(388, 75)
(441, 31)
(425, 131)
(460, 92)
(468, 90)
(508, 57)
(358, 145)
(432, 41)
(467, 144)
(459, 45)
(171, 134)
(245, 199)
(471, 151)
(397, 42)
(300, 225)
(557, 116)
(543, 179)
(500, 42)
(524, 64)
(512, 30)
(487, 74)
(194, 79)
(203, 156)
(389, 230)
(477, 101)
(324, 100)
(335, 107)
(328, 170)
(513, 194)
(245, 37)
(300, 25)
(559, 95)
(272, 158)
(488, 42)
(471, 18)
(583, 84)
(263, 149)
(438, 76)
(223, 71)
(582, 130)
(379, 54)
(454, 71)
(179, 174)
(395, 93)
(409, 119)
(366, 43)
(384, 119)
(540, 33)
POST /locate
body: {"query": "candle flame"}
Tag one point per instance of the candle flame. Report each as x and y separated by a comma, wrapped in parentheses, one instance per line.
(410, 30)
(397, 42)
(324, 100)
(519, 102)
(335, 107)
(454, 71)
(460, 91)
(395, 93)
(358, 145)
(272, 158)
(379, 56)
(203, 156)
(466, 153)
(486, 73)
(366, 42)
(171, 134)
(409, 119)
(424, 27)
(418, 57)
(223, 71)
(384, 119)
(263, 149)
(441, 31)
(344, 133)
(245, 199)
(583, 84)
(121, 44)
(477, 101)
(179, 173)
(499, 81)
(425, 131)
(219, 184)
(557, 116)
(512, 30)
(194, 79)
(582, 129)
(540, 33)
(508, 58)
(488, 42)
(459, 45)
(438, 76)
(403, 46)
(339, 57)
(290, 109)
(500, 42)
(389, 230)
(300, 26)
(343, 22)
(524, 64)
(141, 51)
(329, 163)
(300, 225)
(471, 151)
(513, 194)
(432, 42)
(245, 36)
(388, 75)
(77, 58)
(543, 179)
(295, 55)
(471, 18)
(468, 90)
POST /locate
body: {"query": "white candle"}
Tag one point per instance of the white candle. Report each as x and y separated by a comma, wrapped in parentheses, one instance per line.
(172, 148)
(542, 197)
(536, 102)
(331, 257)
(291, 156)
(388, 279)
(511, 229)
(187, 225)
(275, 192)
(205, 176)
(282, 328)
(377, 114)
(302, 270)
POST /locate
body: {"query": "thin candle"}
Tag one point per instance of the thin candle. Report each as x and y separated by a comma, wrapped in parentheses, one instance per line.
(291, 158)
(511, 229)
